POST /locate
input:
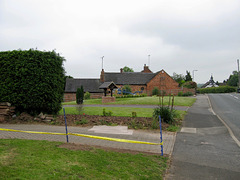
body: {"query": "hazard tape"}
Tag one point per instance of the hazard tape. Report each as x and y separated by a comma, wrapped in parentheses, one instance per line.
(85, 135)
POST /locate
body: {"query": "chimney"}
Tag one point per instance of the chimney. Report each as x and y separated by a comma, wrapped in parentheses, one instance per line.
(146, 69)
(102, 76)
(121, 70)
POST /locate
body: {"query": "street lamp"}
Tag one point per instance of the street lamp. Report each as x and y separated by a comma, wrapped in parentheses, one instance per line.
(193, 74)
(238, 90)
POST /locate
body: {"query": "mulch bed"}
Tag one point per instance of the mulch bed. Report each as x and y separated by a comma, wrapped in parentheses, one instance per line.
(88, 120)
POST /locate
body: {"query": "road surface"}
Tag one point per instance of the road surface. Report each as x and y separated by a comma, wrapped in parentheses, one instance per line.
(227, 107)
(204, 148)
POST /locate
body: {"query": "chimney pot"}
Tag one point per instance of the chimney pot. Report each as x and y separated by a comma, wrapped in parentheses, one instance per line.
(121, 70)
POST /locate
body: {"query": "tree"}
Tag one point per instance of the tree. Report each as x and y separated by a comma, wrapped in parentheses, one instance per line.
(155, 91)
(127, 89)
(32, 80)
(233, 79)
(188, 77)
(179, 78)
(80, 95)
(127, 69)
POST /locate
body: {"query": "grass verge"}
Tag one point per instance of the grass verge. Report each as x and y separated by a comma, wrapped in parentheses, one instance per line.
(178, 101)
(116, 111)
(28, 159)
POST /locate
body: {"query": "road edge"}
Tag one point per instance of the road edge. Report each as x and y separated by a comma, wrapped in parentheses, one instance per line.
(225, 124)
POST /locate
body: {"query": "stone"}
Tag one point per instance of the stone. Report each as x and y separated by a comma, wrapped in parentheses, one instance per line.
(5, 104)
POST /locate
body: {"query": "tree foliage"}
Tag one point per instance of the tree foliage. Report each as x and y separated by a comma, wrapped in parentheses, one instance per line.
(127, 89)
(127, 69)
(188, 76)
(233, 79)
(155, 91)
(179, 78)
(80, 95)
(32, 80)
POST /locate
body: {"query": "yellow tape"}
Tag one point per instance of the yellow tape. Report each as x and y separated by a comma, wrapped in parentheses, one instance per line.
(85, 135)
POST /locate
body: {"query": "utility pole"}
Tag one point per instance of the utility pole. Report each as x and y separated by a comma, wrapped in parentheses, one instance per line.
(238, 90)
(193, 74)
(149, 60)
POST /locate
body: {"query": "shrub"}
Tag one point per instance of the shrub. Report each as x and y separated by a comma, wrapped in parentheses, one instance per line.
(167, 115)
(220, 89)
(155, 91)
(188, 94)
(83, 121)
(105, 113)
(87, 95)
(180, 93)
(134, 114)
(79, 95)
(127, 89)
(190, 84)
(32, 80)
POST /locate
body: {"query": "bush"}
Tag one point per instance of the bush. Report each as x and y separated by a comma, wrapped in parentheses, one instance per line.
(155, 91)
(220, 89)
(167, 115)
(126, 89)
(87, 95)
(188, 94)
(190, 84)
(180, 93)
(32, 80)
(79, 95)
(105, 113)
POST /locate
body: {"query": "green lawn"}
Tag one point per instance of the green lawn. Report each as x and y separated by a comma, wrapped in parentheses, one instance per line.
(178, 101)
(116, 111)
(28, 159)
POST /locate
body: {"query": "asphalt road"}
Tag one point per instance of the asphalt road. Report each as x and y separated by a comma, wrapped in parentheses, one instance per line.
(204, 149)
(227, 107)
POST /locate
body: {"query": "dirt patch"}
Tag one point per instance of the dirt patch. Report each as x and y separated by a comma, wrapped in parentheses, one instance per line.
(90, 120)
(82, 147)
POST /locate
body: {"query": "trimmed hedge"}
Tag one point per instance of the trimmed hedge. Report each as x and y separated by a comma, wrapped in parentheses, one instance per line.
(220, 89)
(32, 80)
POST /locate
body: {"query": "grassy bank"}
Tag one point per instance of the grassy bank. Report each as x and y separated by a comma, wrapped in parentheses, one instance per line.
(116, 111)
(178, 101)
(28, 159)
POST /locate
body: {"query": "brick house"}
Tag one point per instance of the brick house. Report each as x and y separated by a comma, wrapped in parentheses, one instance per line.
(144, 81)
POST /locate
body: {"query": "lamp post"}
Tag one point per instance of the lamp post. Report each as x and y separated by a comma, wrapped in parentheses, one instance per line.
(193, 74)
(238, 90)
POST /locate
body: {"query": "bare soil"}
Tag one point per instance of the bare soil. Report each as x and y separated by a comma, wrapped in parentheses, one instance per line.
(87, 120)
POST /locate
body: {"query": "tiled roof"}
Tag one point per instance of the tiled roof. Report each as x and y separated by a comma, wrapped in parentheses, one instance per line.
(108, 85)
(132, 78)
(89, 85)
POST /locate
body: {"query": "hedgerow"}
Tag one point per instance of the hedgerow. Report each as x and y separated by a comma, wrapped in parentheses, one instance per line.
(32, 80)
(220, 89)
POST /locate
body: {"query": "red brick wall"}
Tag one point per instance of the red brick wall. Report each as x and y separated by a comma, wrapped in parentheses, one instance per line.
(69, 97)
(165, 82)
(108, 99)
(72, 96)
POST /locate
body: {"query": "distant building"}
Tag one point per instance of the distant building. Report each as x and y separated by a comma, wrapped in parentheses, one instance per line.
(210, 83)
(143, 82)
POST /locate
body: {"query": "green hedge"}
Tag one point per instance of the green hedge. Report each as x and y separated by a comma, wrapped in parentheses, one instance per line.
(32, 80)
(220, 89)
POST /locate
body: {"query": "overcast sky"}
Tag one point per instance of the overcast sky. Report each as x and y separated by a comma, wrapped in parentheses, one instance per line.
(201, 35)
